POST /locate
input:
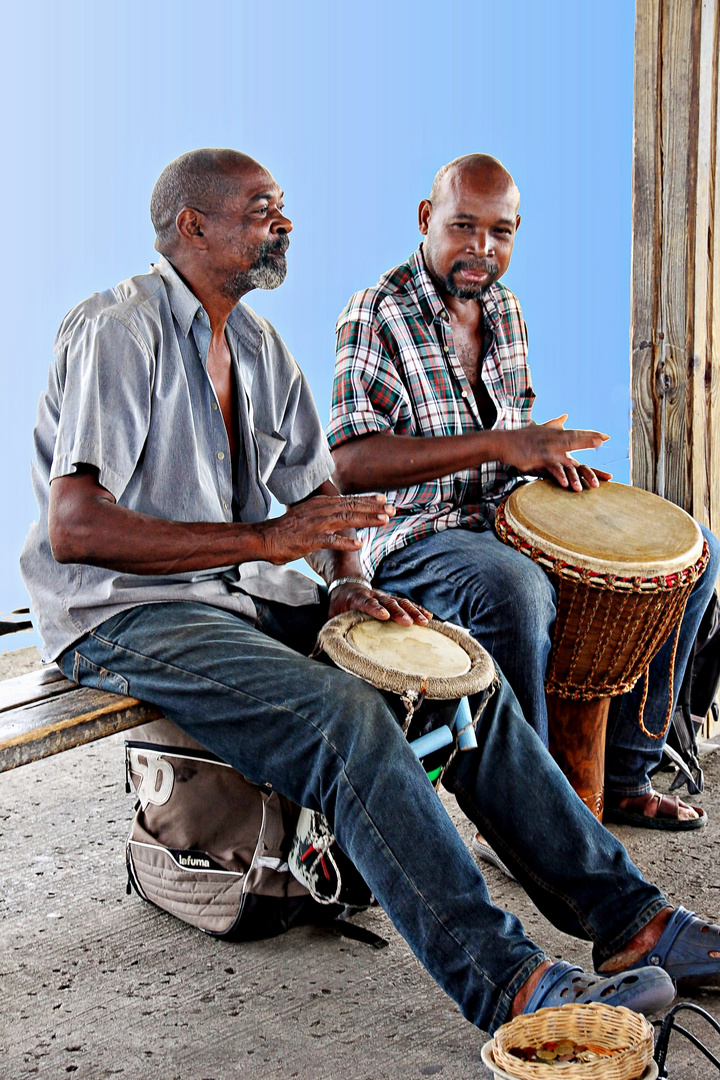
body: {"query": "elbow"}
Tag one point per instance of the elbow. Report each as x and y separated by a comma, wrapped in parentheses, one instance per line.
(64, 543)
(344, 475)
(69, 538)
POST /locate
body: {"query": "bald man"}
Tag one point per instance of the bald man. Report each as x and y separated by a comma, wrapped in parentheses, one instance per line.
(432, 405)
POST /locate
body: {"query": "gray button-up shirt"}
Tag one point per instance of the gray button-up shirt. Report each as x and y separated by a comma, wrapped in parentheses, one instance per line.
(129, 394)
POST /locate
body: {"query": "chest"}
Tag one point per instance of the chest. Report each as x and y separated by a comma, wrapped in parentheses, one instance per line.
(471, 346)
(220, 373)
(468, 349)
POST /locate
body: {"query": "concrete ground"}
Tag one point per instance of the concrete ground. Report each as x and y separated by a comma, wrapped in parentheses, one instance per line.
(95, 983)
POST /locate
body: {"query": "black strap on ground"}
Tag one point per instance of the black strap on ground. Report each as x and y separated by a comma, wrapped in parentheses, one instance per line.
(342, 925)
(668, 1025)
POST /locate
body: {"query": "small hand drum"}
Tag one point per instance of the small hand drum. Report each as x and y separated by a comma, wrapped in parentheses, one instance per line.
(623, 563)
(437, 662)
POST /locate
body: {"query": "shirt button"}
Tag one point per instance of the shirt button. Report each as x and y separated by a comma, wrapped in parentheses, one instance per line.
(221, 456)
(226, 506)
(464, 394)
(214, 406)
(446, 348)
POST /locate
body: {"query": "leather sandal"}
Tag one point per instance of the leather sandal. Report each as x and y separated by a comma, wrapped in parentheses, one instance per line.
(645, 989)
(688, 950)
(665, 813)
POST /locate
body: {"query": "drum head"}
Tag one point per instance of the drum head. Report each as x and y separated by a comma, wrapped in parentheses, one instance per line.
(411, 649)
(441, 659)
(612, 529)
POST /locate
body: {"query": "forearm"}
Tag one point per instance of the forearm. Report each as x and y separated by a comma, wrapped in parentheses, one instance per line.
(328, 563)
(383, 462)
(331, 565)
(87, 526)
(116, 538)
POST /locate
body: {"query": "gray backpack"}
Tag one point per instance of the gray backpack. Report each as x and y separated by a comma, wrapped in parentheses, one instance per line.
(211, 848)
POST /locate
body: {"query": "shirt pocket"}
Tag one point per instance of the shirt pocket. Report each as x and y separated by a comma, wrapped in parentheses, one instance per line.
(270, 448)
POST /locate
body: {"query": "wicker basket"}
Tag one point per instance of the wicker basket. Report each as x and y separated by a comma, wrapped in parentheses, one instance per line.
(608, 1026)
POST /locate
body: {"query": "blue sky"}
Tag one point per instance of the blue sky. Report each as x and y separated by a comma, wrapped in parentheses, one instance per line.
(353, 107)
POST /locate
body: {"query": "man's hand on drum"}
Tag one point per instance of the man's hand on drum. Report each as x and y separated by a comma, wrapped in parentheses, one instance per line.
(322, 530)
(544, 450)
(354, 596)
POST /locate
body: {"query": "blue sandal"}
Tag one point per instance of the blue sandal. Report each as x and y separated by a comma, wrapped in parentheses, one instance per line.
(688, 949)
(648, 989)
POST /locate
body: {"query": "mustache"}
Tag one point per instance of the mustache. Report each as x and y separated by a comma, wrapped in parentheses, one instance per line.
(487, 265)
(274, 247)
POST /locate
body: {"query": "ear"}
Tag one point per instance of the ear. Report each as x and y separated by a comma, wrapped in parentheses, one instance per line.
(424, 215)
(190, 225)
(517, 223)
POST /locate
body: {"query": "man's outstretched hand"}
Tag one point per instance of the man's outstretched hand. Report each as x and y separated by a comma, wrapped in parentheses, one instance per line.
(544, 450)
(321, 522)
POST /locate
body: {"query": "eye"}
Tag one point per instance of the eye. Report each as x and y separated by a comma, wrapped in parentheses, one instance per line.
(462, 225)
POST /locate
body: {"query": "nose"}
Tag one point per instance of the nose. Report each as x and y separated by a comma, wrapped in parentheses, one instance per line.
(482, 242)
(282, 224)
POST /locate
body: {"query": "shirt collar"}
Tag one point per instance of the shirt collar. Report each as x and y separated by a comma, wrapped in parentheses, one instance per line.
(185, 306)
(183, 302)
(429, 299)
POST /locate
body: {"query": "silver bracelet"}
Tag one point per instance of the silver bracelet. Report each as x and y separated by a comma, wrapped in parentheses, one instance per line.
(346, 581)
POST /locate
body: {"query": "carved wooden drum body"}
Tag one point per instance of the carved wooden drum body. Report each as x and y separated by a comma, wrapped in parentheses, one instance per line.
(623, 562)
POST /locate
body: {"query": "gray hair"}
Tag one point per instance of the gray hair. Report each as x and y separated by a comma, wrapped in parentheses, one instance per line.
(201, 179)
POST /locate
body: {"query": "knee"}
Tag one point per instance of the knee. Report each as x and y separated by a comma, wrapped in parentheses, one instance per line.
(706, 584)
(528, 592)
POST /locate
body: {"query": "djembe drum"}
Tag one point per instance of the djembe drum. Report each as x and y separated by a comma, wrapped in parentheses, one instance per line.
(623, 562)
(413, 664)
(410, 665)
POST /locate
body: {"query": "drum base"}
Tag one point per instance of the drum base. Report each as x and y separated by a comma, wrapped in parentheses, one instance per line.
(577, 742)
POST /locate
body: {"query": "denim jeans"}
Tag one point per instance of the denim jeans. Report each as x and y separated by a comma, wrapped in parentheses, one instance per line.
(329, 741)
(507, 602)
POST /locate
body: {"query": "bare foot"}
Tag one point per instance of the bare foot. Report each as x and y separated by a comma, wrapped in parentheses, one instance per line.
(638, 946)
(523, 995)
(653, 804)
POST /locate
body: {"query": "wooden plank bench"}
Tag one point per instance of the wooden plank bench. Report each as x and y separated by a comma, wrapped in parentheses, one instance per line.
(43, 713)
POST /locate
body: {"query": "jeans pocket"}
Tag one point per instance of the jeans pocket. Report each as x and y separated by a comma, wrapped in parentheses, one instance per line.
(89, 674)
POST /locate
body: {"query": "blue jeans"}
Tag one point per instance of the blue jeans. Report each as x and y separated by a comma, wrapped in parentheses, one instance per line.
(507, 602)
(329, 741)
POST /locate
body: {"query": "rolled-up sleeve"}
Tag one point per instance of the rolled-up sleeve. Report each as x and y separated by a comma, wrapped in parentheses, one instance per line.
(107, 372)
(367, 390)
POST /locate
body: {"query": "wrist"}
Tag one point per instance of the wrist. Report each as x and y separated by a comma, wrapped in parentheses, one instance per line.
(351, 580)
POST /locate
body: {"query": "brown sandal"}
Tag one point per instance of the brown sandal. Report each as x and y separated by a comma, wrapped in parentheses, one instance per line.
(654, 811)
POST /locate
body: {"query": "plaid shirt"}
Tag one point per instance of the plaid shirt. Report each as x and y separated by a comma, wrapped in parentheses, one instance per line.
(397, 372)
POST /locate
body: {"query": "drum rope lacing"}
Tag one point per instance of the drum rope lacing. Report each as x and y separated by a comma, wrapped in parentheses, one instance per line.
(578, 613)
(614, 582)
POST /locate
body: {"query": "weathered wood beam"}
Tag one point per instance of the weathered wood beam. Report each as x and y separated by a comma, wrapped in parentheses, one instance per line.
(44, 713)
(675, 329)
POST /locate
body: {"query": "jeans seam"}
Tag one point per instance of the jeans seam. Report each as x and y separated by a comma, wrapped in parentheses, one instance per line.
(489, 832)
(428, 906)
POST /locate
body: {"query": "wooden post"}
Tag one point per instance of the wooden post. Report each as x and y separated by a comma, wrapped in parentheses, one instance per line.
(675, 330)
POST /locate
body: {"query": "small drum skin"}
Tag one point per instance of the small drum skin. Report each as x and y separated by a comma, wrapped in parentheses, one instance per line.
(623, 562)
(438, 663)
